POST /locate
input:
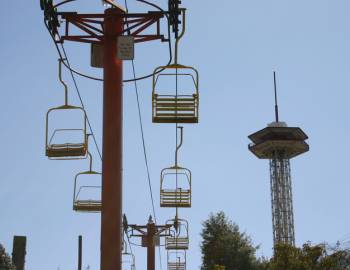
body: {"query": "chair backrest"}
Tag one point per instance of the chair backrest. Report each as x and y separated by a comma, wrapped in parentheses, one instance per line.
(179, 239)
(176, 175)
(176, 260)
(175, 70)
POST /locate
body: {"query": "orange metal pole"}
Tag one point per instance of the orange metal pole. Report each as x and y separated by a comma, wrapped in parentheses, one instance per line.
(111, 216)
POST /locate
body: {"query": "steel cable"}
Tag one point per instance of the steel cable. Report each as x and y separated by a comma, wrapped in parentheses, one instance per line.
(82, 103)
(143, 142)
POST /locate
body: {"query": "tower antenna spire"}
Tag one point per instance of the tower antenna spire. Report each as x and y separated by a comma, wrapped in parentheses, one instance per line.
(276, 102)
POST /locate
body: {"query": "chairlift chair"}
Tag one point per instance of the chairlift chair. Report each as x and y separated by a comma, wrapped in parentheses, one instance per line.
(65, 150)
(179, 240)
(176, 260)
(128, 259)
(56, 148)
(175, 107)
(81, 201)
(82, 204)
(175, 187)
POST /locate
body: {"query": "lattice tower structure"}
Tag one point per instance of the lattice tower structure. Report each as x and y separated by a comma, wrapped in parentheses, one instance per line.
(279, 143)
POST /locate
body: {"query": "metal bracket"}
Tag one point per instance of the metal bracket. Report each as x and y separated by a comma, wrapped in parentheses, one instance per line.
(92, 25)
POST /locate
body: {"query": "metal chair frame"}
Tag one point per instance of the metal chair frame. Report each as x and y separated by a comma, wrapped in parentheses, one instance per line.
(128, 254)
(132, 262)
(175, 108)
(65, 150)
(180, 236)
(86, 205)
(176, 197)
(179, 263)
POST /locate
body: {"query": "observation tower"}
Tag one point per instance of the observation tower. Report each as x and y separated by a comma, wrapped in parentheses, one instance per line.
(279, 143)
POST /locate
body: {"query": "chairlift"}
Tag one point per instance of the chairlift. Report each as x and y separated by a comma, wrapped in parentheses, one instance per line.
(128, 259)
(175, 106)
(179, 239)
(57, 146)
(87, 196)
(176, 260)
(175, 183)
(172, 194)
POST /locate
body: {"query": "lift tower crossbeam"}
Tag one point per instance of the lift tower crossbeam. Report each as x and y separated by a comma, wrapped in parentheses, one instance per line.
(150, 235)
(105, 29)
(133, 24)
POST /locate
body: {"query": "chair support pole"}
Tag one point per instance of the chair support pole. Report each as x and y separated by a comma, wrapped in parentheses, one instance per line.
(111, 217)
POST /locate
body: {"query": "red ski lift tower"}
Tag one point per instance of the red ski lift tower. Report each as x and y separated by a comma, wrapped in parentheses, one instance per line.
(279, 143)
(104, 30)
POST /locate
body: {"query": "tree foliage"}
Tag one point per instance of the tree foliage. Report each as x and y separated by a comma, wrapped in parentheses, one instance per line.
(5, 260)
(309, 258)
(223, 245)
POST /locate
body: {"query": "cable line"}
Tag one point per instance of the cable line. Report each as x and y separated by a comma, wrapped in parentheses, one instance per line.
(81, 102)
(143, 142)
(143, 137)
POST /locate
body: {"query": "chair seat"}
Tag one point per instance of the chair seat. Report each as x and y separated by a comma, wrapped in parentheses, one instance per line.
(175, 109)
(87, 205)
(175, 198)
(175, 119)
(176, 243)
(66, 150)
(176, 266)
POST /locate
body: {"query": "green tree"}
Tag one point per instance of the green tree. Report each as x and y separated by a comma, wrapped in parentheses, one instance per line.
(5, 260)
(223, 245)
(309, 257)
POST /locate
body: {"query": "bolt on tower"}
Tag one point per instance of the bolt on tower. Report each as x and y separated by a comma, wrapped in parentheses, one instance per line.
(279, 143)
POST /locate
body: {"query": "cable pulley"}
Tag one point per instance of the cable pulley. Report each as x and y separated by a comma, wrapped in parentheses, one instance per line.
(50, 15)
(174, 13)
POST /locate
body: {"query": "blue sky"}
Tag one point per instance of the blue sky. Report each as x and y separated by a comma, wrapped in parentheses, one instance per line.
(236, 45)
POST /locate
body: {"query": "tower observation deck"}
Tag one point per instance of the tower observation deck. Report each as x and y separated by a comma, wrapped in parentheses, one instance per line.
(279, 144)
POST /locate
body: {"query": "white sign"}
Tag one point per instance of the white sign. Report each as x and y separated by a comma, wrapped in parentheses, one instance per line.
(125, 47)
